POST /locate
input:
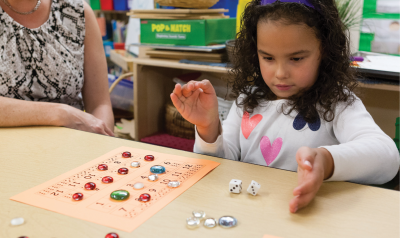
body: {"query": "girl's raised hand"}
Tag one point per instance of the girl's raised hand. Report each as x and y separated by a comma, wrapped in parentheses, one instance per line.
(197, 103)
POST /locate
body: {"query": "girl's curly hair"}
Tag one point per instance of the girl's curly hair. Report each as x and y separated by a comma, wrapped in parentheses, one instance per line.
(336, 80)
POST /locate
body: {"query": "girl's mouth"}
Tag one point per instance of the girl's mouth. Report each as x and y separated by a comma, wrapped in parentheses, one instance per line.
(283, 87)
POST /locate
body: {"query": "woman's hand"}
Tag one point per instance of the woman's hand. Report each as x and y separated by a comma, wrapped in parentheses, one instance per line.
(314, 165)
(197, 103)
(77, 119)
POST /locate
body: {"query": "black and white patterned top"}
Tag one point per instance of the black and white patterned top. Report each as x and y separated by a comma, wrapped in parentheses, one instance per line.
(46, 63)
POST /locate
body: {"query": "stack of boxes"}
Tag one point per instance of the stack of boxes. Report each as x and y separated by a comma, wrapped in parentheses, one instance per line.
(109, 5)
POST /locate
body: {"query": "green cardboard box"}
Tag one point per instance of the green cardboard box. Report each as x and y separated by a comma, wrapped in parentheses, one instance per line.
(95, 4)
(187, 32)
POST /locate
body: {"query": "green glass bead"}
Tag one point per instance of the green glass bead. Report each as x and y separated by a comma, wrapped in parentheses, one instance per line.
(119, 195)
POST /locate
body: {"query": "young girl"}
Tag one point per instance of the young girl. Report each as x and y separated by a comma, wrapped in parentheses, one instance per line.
(295, 106)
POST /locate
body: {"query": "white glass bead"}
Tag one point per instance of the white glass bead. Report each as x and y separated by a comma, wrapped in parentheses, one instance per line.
(153, 177)
(199, 214)
(174, 184)
(210, 222)
(138, 185)
(192, 222)
(17, 221)
(135, 164)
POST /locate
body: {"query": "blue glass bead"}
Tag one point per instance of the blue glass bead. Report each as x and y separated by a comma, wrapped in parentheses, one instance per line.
(157, 169)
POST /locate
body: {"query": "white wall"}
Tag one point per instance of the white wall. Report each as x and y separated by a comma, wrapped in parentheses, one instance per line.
(355, 32)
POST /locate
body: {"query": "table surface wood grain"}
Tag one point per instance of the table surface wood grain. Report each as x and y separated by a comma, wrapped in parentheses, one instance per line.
(32, 155)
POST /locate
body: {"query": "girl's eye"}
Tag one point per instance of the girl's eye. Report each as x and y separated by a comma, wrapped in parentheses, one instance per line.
(297, 59)
(268, 58)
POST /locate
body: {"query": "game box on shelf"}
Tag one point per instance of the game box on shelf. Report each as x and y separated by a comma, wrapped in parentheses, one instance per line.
(187, 32)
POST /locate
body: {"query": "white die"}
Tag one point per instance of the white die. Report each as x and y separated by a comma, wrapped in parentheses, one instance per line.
(253, 188)
(235, 186)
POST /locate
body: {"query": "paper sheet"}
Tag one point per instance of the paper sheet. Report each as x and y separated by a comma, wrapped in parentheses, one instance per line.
(97, 206)
(382, 63)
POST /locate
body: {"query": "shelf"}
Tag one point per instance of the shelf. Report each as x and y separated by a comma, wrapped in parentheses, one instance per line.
(120, 59)
(387, 87)
(176, 65)
(126, 63)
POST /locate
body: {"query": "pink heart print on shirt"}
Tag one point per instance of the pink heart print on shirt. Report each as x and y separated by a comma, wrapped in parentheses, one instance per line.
(270, 152)
(248, 124)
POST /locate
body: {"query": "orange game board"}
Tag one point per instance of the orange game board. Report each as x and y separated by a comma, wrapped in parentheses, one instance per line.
(97, 206)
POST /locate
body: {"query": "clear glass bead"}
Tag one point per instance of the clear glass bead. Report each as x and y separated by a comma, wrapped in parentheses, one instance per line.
(210, 222)
(192, 222)
(174, 184)
(227, 221)
(199, 214)
(135, 164)
(153, 177)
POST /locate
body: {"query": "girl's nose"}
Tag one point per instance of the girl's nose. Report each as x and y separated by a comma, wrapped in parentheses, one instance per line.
(281, 72)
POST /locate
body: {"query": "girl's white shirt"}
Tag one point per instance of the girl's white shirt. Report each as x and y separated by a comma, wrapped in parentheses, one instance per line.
(361, 151)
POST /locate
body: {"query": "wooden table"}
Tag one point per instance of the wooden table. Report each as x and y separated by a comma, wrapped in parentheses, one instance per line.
(33, 155)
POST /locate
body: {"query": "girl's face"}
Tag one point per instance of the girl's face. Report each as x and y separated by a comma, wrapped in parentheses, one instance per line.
(289, 57)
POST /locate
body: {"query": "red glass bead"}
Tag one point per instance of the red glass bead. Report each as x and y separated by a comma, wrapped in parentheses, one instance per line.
(112, 235)
(102, 167)
(149, 158)
(77, 196)
(145, 197)
(126, 154)
(107, 179)
(123, 171)
(90, 186)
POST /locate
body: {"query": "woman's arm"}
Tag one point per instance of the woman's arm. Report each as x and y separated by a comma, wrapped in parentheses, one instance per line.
(15, 112)
(95, 89)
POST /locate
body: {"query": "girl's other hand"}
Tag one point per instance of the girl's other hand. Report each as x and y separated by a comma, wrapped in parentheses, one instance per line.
(314, 165)
(77, 119)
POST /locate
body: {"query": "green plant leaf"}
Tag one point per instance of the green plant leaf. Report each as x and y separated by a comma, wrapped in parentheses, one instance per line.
(350, 12)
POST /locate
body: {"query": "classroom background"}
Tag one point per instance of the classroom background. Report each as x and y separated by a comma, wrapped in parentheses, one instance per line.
(152, 45)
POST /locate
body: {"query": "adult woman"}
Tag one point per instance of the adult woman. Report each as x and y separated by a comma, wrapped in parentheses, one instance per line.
(50, 54)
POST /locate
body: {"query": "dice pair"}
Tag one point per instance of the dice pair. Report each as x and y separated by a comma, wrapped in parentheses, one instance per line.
(235, 186)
